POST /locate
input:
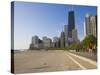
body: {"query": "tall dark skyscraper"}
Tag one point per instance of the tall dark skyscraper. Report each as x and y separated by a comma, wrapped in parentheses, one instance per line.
(71, 23)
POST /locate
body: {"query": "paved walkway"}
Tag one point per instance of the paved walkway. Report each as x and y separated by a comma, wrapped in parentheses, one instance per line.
(46, 61)
(87, 55)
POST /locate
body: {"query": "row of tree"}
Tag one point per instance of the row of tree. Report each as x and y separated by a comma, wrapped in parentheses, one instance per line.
(89, 42)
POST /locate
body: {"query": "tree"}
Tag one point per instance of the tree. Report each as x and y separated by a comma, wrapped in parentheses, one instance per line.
(89, 40)
(73, 46)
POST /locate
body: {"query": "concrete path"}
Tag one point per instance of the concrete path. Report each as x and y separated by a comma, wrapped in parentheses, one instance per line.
(45, 61)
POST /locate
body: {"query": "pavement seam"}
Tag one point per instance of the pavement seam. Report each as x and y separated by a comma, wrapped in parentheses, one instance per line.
(76, 62)
(83, 58)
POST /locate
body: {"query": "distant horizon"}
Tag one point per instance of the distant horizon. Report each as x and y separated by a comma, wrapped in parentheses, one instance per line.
(45, 19)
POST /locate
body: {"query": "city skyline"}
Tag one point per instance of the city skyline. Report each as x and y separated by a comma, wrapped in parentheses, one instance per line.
(45, 20)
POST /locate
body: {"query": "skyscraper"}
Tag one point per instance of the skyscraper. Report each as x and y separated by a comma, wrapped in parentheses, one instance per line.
(94, 25)
(35, 42)
(66, 34)
(71, 26)
(71, 23)
(84, 28)
(74, 36)
(62, 40)
(90, 25)
(47, 42)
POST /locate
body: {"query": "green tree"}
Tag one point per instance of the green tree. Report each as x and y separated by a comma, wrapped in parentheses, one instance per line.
(73, 46)
(90, 39)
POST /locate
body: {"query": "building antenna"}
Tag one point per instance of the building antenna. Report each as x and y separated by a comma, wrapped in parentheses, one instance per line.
(72, 8)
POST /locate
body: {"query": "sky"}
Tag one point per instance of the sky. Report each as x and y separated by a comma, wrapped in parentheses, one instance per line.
(43, 19)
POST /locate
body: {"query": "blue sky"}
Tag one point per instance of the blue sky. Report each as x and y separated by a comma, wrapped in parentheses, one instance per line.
(45, 20)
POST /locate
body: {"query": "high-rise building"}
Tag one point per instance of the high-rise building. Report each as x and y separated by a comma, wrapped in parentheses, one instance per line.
(44, 38)
(90, 25)
(71, 26)
(56, 42)
(40, 44)
(47, 42)
(71, 23)
(74, 36)
(84, 28)
(94, 25)
(66, 34)
(35, 42)
(62, 40)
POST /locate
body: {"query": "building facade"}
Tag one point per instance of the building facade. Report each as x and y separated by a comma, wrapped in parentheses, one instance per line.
(94, 25)
(62, 40)
(47, 42)
(56, 42)
(71, 23)
(35, 42)
(71, 26)
(90, 25)
(74, 36)
(66, 35)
